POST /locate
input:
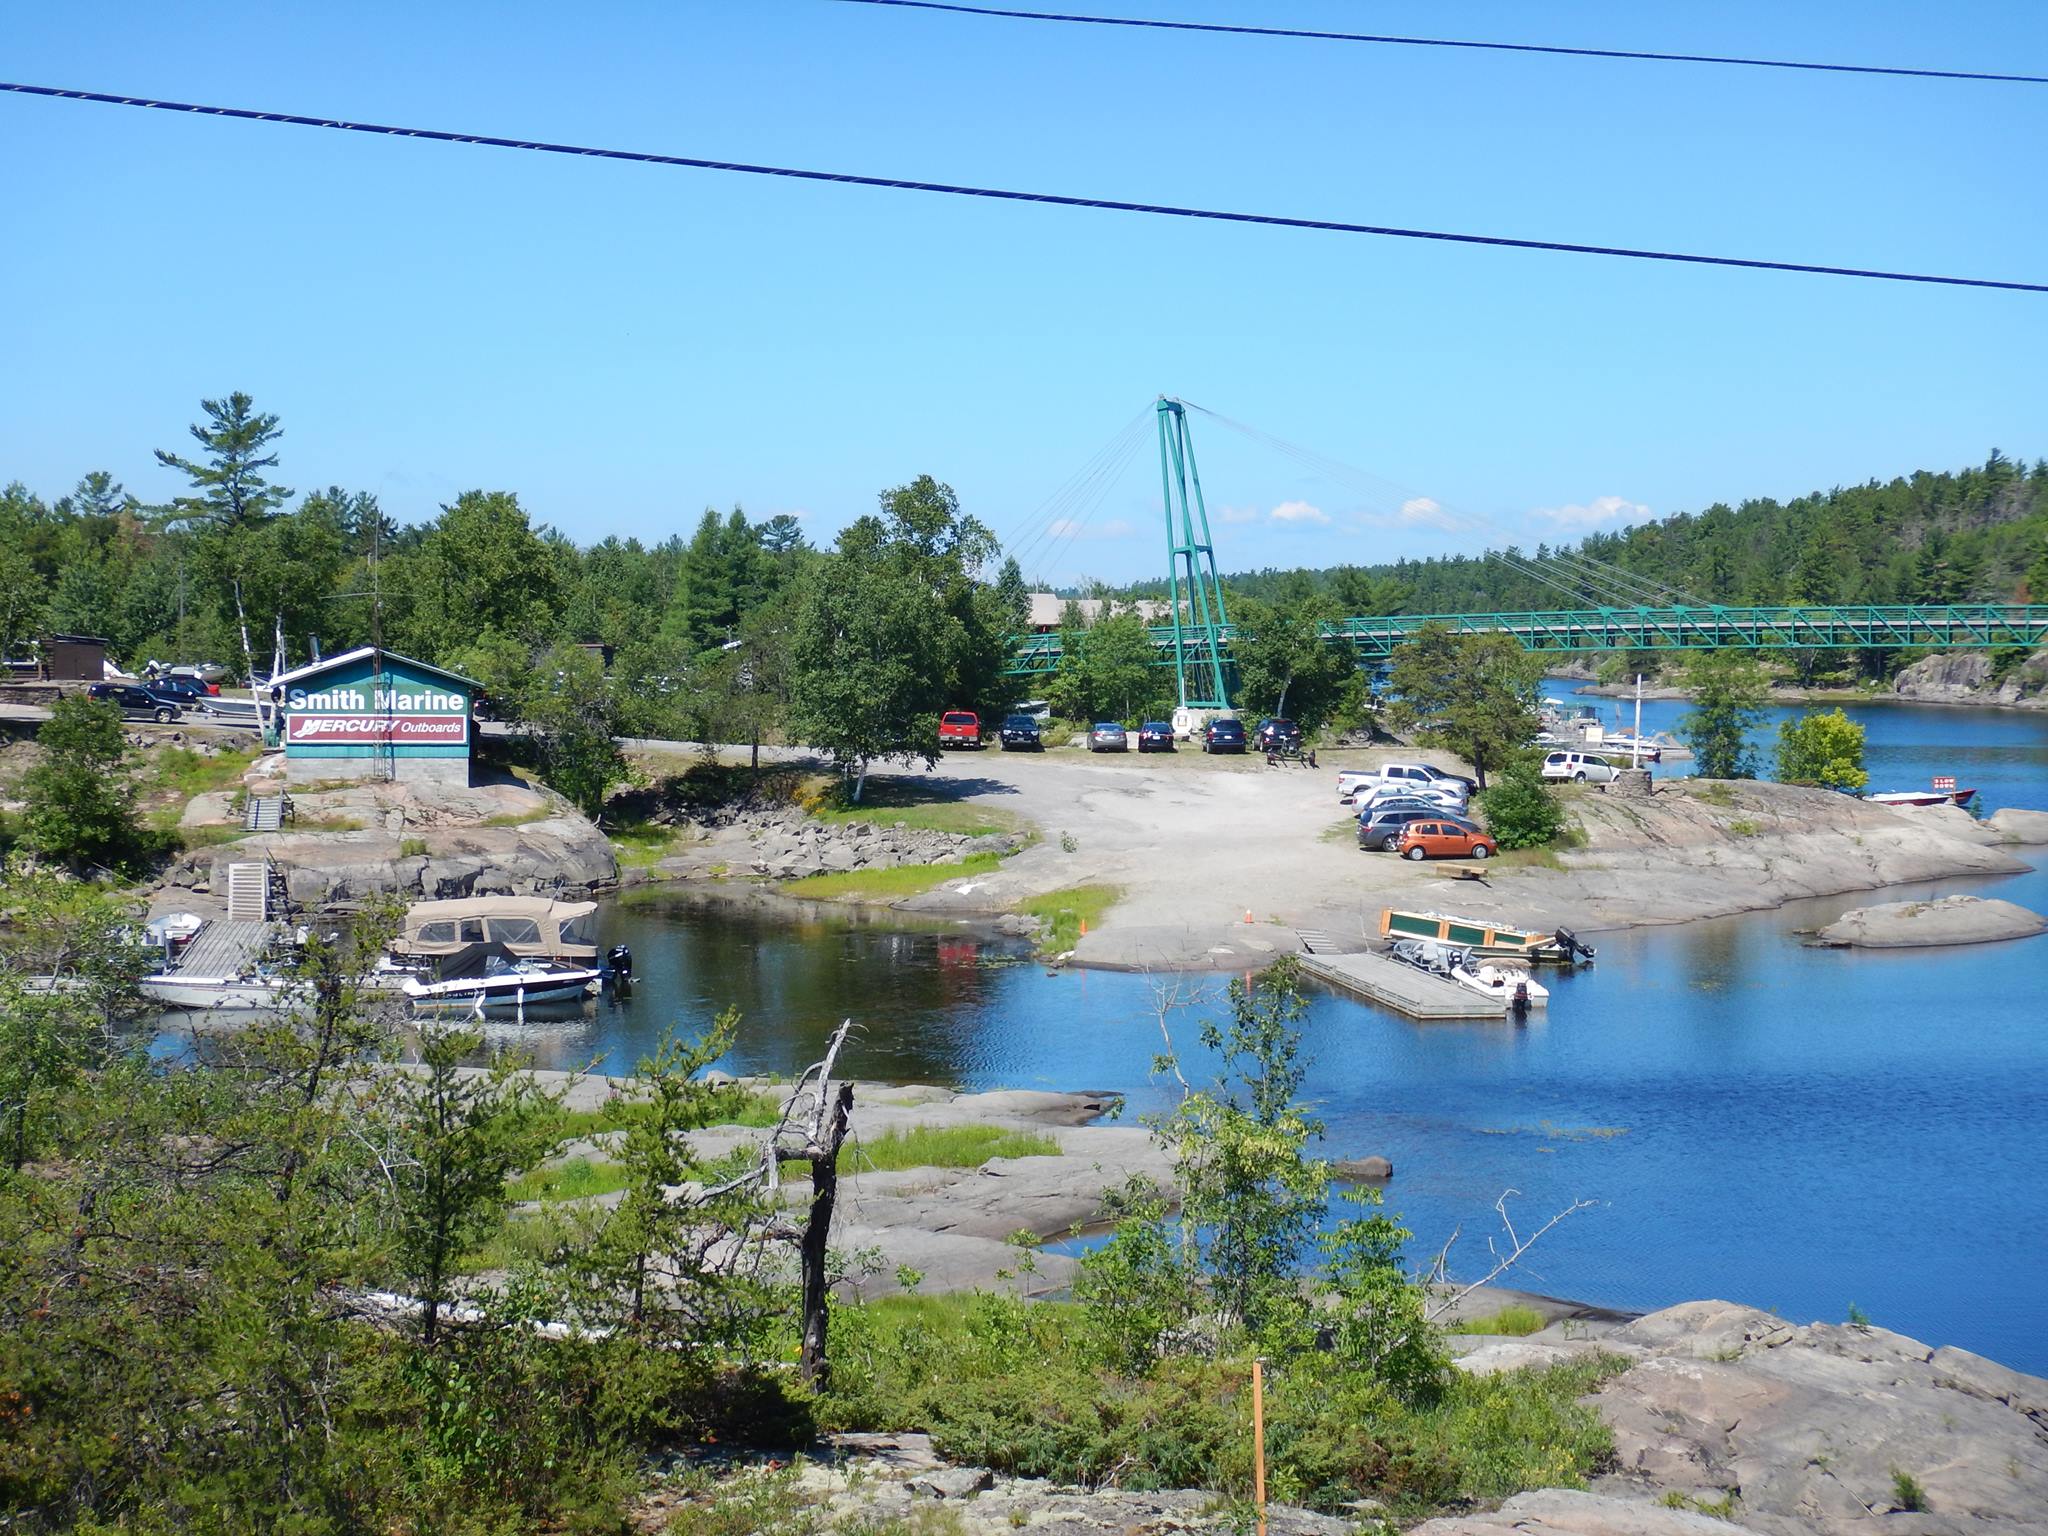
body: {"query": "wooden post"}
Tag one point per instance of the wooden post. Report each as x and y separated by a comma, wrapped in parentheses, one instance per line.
(1259, 1440)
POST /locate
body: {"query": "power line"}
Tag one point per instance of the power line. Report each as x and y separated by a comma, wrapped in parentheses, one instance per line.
(1447, 42)
(1051, 199)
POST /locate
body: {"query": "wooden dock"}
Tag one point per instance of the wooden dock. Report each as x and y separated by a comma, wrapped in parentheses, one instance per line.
(1390, 984)
(223, 948)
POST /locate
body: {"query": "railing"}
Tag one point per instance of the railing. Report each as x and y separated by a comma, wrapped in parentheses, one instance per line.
(1949, 626)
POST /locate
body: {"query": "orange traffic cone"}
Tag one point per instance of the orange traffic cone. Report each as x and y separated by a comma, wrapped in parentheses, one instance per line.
(1247, 914)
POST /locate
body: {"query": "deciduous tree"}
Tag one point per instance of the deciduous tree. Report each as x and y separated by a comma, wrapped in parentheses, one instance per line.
(1823, 749)
(1474, 694)
(1728, 692)
(79, 799)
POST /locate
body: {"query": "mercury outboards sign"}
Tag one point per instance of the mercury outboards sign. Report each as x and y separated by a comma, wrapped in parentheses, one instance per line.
(397, 715)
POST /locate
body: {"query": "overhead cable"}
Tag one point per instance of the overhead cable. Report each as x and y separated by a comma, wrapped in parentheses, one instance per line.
(1157, 24)
(999, 194)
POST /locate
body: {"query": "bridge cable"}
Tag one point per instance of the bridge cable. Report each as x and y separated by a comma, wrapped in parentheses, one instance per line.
(1162, 25)
(1029, 540)
(999, 194)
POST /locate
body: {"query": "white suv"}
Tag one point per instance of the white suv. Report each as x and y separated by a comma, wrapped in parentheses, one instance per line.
(1584, 767)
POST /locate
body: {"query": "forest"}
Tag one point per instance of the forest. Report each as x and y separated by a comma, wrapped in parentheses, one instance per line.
(1970, 535)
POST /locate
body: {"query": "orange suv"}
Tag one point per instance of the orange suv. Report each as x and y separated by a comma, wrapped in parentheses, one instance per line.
(1445, 838)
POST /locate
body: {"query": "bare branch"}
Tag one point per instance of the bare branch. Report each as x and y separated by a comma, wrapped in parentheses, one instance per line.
(1517, 1245)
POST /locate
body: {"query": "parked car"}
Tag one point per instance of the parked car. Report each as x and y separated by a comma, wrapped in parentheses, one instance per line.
(1582, 767)
(960, 728)
(184, 692)
(1108, 736)
(1398, 801)
(1407, 775)
(1019, 733)
(136, 703)
(1369, 795)
(1223, 736)
(1278, 733)
(1382, 829)
(1155, 736)
(1444, 837)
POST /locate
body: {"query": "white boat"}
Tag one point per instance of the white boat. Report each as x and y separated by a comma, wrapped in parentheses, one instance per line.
(254, 993)
(1512, 985)
(1937, 796)
(503, 986)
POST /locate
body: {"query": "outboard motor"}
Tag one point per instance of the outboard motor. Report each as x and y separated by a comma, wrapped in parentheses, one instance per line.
(1520, 1001)
(1574, 949)
(620, 959)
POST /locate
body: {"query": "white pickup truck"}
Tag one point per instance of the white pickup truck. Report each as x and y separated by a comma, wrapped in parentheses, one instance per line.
(1423, 779)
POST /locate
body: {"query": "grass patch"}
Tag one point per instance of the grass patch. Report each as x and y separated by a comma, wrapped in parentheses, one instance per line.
(889, 884)
(1513, 1322)
(911, 802)
(325, 824)
(1067, 910)
(1529, 858)
(1742, 826)
(515, 818)
(190, 838)
(579, 1178)
(643, 845)
(1713, 791)
(534, 1237)
(184, 773)
(412, 847)
(933, 1146)
(726, 1105)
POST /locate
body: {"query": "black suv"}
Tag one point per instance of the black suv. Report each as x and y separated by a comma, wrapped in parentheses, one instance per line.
(181, 691)
(1224, 736)
(136, 703)
(1278, 733)
(1019, 733)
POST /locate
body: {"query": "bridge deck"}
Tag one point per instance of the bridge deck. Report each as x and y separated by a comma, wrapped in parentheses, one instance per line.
(1948, 626)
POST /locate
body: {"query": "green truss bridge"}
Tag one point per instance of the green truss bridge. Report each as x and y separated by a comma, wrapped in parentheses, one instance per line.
(1947, 626)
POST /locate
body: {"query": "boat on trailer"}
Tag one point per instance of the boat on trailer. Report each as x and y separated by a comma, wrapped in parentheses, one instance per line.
(1486, 941)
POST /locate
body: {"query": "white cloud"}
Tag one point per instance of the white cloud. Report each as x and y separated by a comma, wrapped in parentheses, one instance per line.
(1298, 512)
(1601, 509)
(1116, 528)
(1240, 515)
(1424, 509)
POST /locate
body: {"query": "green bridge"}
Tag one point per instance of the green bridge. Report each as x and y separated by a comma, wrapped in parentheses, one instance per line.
(1946, 626)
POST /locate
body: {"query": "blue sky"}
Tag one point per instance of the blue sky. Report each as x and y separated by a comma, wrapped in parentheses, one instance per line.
(625, 345)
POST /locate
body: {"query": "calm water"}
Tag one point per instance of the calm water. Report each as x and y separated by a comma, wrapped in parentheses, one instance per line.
(1794, 1128)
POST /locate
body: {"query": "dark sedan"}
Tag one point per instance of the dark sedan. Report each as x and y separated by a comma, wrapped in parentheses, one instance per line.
(135, 703)
(1224, 736)
(1381, 829)
(1155, 736)
(1019, 733)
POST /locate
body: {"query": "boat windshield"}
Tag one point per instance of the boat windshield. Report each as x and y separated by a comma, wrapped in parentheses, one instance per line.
(576, 930)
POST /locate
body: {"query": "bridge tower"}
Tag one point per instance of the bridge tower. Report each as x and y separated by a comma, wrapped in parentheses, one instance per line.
(1190, 568)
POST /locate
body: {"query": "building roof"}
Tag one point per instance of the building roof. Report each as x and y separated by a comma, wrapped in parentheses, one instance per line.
(329, 663)
(1046, 608)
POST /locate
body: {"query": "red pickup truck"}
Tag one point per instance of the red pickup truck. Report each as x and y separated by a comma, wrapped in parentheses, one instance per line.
(959, 728)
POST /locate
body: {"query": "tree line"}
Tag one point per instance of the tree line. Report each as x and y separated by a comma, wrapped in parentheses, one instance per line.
(1969, 535)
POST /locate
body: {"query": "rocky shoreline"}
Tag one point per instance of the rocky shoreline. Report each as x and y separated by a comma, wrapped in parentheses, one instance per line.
(1967, 679)
(1721, 1415)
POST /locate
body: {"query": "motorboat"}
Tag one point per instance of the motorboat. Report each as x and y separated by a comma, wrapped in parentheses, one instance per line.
(1512, 984)
(1485, 940)
(253, 993)
(1936, 796)
(502, 984)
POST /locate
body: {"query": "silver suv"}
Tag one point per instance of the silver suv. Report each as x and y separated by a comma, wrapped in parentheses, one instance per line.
(1582, 767)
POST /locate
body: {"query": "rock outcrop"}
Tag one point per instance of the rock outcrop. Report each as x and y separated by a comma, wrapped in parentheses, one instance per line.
(1970, 677)
(782, 843)
(415, 840)
(1924, 924)
(1823, 1430)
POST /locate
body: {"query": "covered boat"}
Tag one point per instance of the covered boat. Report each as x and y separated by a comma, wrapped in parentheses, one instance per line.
(1485, 940)
(529, 927)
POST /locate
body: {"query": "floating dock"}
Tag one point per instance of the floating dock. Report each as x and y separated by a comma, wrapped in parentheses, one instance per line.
(1390, 984)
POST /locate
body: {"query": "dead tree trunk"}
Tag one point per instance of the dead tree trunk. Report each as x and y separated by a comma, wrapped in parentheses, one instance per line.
(823, 1155)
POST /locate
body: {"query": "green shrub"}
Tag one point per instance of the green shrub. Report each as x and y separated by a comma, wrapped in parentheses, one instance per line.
(1514, 1322)
(1520, 810)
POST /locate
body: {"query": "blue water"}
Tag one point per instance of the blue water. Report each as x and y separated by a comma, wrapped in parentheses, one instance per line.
(1793, 1128)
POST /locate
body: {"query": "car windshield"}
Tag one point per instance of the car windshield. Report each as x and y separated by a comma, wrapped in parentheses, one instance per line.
(1020, 723)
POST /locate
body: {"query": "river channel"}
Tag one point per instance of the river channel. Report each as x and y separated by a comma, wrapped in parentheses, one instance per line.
(1794, 1128)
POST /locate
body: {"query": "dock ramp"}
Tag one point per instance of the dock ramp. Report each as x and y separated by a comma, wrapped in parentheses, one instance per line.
(1390, 984)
